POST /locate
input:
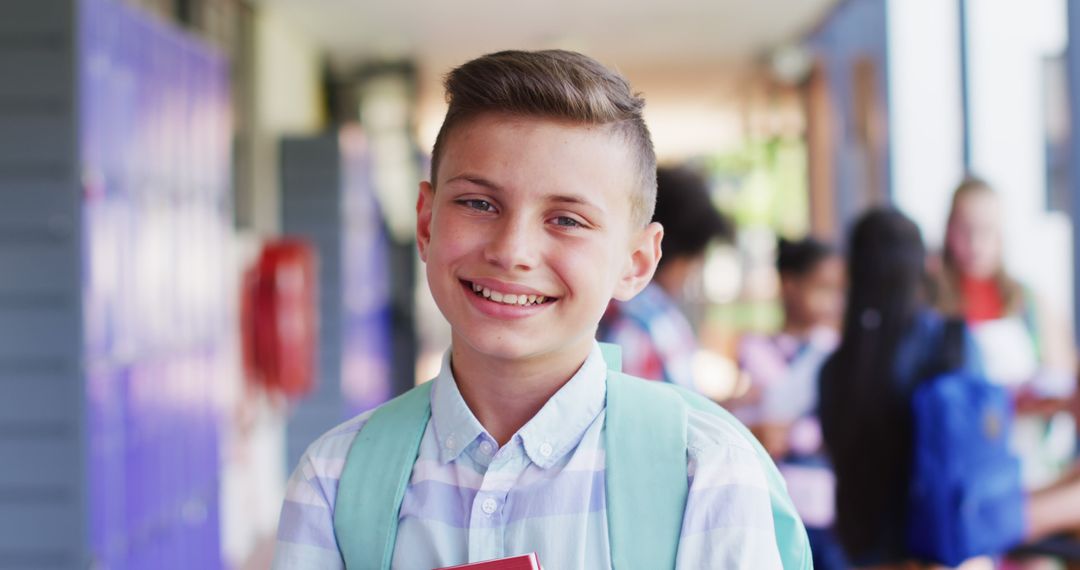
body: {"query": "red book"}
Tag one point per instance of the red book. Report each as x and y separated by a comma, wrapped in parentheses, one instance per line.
(522, 562)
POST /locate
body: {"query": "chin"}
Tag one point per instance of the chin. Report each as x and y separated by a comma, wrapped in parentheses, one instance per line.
(502, 347)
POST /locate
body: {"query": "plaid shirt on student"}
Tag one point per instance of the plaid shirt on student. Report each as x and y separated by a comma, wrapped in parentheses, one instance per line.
(657, 340)
(542, 492)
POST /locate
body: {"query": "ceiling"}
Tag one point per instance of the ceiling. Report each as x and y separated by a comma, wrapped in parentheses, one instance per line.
(626, 33)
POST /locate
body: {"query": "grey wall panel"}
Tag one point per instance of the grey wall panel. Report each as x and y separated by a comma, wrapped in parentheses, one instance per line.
(25, 559)
(52, 512)
(309, 210)
(35, 17)
(44, 460)
(34, 200)
(30, 397)
(35, 70)
(25, 330)
(313, 182)
(311, 197)
(42, 516)
(38, 136)
(36, 267)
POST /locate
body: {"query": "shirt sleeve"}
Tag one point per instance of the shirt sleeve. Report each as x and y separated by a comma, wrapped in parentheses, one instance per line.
(305, 537)
(728, 521)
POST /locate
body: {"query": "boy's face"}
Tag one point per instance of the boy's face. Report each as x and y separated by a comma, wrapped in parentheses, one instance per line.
(536, 215)
(816, 298)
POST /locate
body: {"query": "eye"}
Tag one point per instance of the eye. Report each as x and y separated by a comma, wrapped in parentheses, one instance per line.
(567, 222)
(477, 204)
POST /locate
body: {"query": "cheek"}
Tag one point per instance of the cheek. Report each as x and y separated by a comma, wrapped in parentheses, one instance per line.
(959, 245)
(451, 240)
(987, 243)
(587, 268)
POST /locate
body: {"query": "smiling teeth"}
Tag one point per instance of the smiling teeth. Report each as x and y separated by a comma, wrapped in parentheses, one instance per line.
(508, 298)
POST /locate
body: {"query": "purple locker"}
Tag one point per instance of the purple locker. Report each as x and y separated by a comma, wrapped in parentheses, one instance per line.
(366, 380)
(150, 99)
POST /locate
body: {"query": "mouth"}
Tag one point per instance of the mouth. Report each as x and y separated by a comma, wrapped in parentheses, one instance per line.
(505, 298)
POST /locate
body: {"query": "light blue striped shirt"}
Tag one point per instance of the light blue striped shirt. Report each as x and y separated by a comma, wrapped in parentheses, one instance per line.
(542, 492)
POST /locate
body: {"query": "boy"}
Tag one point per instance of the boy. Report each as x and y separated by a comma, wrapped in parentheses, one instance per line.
(542, 186)
(659, 341)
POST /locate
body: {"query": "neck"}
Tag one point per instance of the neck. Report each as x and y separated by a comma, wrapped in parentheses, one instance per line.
(505, 393)
(669, 284)
(797, 327)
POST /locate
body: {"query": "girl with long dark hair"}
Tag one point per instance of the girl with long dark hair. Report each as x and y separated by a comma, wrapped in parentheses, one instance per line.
(891, 340)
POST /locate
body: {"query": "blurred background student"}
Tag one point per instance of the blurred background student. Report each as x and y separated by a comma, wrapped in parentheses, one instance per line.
(890, 341)
(657, 339)
(780, 404)
(1024, 346)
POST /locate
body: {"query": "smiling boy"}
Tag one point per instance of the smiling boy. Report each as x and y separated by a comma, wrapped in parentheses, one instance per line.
(537, 215)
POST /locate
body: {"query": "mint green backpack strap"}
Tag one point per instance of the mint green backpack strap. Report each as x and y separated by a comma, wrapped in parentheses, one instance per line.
(370, 491)
(631, 400)
(645, 475)
(790, 533)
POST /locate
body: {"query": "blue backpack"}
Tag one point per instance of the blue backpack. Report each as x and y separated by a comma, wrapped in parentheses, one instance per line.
(965, 497)
(646, 476)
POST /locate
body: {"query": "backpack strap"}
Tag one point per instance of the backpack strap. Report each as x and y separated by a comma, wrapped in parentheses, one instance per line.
(370, 492)
(645, 473)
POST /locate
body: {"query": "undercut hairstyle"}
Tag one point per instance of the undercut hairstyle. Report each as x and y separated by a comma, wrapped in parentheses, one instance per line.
(558, 85)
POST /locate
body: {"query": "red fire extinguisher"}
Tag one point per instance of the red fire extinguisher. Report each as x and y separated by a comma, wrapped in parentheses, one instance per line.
(280, 319)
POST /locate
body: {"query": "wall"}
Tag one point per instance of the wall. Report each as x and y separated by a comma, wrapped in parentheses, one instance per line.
(856, 30)
(286, 99)
(926, 109)
(42, 461)
(1006, 44)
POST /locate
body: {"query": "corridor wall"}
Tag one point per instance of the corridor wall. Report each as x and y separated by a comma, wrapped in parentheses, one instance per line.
(328, 199)
(852, 52)
(115, 325)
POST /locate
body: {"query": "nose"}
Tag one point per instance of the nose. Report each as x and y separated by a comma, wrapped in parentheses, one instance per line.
(513, 246)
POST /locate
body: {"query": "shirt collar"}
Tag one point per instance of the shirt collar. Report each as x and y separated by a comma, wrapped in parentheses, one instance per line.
(547, 437)
(455, 425)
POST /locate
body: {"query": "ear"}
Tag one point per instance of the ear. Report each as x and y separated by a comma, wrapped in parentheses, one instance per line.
(641, 266)
(424, 202)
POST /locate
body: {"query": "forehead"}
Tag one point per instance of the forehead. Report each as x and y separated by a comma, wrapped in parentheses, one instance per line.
(539, 154)
(978, 207)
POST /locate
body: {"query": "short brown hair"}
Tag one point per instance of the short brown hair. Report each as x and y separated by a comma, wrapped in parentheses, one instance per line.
(555, 84)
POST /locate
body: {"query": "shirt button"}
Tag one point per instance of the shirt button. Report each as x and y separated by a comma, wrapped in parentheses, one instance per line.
(488, 506)
(486, 448)
(451, 443)
(546, 450)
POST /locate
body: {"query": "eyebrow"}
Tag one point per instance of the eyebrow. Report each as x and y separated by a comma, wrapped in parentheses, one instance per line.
(562, 198)
(478, 180)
